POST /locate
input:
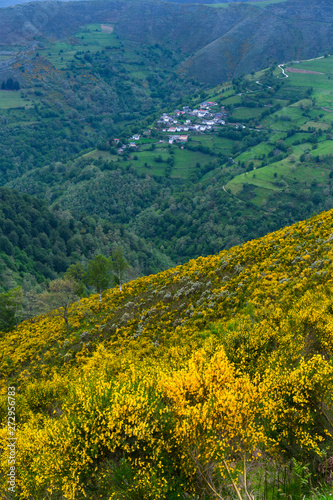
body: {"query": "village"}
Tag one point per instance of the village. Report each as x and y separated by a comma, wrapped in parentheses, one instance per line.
(188, 120)
(180, 123)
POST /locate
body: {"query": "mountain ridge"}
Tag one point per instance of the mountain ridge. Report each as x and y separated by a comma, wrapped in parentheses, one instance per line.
(202, 33)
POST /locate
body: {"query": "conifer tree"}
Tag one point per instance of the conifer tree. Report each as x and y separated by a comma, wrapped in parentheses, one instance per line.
(10, 84)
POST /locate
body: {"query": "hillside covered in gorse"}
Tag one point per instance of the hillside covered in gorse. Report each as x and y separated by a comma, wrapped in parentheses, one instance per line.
(195, 383)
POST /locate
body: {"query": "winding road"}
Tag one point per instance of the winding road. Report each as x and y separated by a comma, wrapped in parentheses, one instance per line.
(283, 71)
(304, 60)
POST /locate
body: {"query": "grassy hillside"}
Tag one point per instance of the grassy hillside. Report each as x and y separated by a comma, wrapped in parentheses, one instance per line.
(302, 127)
(79, 91)
(184, 381)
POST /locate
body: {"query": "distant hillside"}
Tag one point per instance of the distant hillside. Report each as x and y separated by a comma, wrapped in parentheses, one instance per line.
(267, 166)
(279, 32)
(37, 244)
(85, 91)
(182, 382)
(216, 43)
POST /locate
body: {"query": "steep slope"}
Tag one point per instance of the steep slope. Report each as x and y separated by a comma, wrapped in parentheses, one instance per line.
(272, 157)
(279, 32)
(37, 244)
(221, 42)
(32, 239)
(166, 386)
(268, 166)
(147, 21)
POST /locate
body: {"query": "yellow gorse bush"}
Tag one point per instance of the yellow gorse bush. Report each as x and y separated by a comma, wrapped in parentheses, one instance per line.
(216, 410)
(171, 385)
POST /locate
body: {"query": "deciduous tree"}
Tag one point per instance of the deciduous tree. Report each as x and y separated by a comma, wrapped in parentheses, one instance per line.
(78, 274)
(99, 274)
(119, 265)
(61, 294)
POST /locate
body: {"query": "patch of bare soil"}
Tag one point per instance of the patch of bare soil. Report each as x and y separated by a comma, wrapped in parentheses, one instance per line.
(106, 29)
(296, 70)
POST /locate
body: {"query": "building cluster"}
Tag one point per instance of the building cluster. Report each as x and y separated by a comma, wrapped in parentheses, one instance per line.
(188, 120)
(180, 123)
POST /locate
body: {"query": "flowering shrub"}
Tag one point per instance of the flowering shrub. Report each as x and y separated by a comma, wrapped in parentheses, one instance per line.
(174, 383)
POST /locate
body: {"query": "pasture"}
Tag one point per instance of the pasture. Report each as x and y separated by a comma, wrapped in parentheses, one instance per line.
(215, 143)
(280, 176)
(154, 162)
(92, 37)
(321, 82)
(247, 113)
(11, 100)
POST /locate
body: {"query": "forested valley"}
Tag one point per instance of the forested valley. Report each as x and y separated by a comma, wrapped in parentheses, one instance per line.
(166, 196)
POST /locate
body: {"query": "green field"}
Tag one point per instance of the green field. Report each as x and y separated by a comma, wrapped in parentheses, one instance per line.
(264, 177)
(324, 148)
(90, 38)
(185, 160)
(316, 125)
(246, 113)
(11, 99)
(307, 114)
(234, 99)
(322, 64)
(281, 176)
(284, 118)
(215, 143)
(253, 153)
(96, 155)
(321, 83)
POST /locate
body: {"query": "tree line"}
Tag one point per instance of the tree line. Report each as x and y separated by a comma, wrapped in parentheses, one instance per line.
(10, 84)
(26, 302)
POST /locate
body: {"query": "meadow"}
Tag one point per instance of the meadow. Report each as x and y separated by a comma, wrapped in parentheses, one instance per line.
(11, 100)
(304, 115)
(91, 38)
(148, 161)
